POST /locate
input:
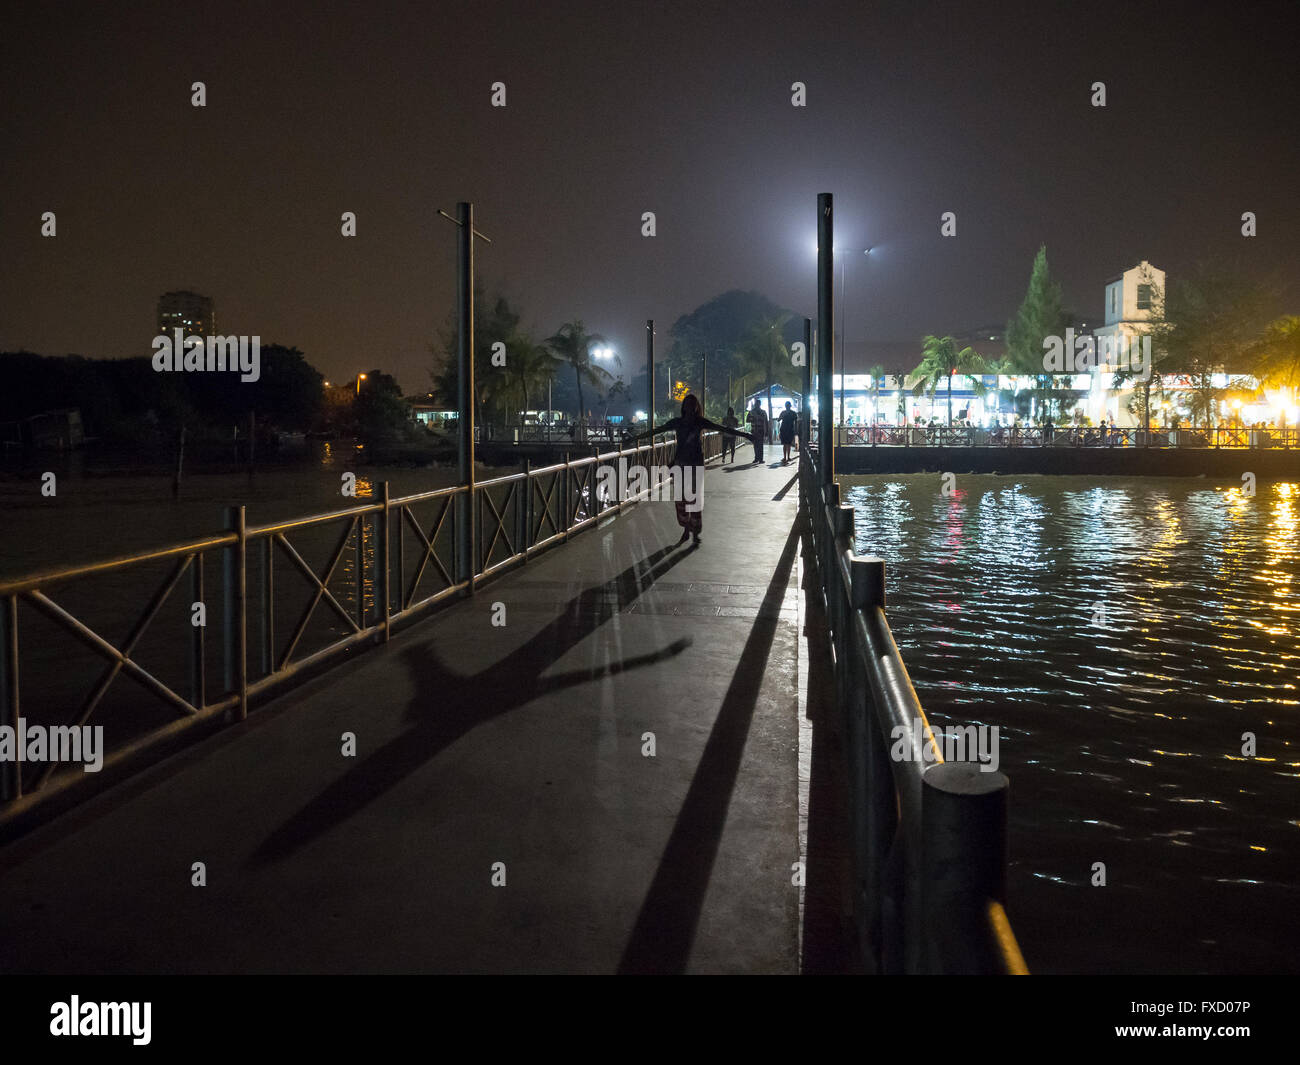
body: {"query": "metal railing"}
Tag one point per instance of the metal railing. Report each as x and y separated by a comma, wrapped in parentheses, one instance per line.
(929, 838)
(399, 560)
(1067, 436)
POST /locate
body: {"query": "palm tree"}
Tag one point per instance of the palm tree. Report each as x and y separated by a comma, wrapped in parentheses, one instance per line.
(765, 352)
(572, 345)
(900, 383)
(618, 390)
(529, 364)
(877, 378)
(940, 359)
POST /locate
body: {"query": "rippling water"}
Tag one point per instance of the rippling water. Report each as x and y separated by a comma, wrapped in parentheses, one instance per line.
(1123, 634)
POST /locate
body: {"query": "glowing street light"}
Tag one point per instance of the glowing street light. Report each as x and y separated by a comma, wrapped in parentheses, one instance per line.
(360, 377)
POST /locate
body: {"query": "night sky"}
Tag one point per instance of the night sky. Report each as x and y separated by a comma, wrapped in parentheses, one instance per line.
(612, 110)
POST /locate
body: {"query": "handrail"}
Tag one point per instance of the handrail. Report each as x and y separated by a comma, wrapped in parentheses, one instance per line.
(18, 585)
(929, 836)
(517, 516)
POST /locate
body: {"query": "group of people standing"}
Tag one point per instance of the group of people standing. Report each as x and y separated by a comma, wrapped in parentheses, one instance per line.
(690, 426)
(756, 417)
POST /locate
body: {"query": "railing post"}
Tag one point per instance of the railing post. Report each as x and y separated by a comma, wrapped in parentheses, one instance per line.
(526, 509)
(235, 612)
(843, 527)
(198, 665)
(360, 566)
(963, 864)
(11, 775)
(401, 556)
(564, 496)
(384, 575)
(267, 606)
(874, 795)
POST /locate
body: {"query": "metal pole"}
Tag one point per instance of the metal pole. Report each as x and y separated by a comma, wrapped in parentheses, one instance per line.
(650, 366)
(704, 379)
(465, 364)
(826, 335)
(385, 576)
(180, 461)
(198, 678)
(268, 606)
(360, 566)
(235, 574)
(844, 335)
(805, 417)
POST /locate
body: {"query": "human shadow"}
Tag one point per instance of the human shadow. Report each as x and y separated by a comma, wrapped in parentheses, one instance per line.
(447, 704)
(664, 932)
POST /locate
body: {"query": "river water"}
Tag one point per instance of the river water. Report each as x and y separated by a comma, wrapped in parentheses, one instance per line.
(1123, 634)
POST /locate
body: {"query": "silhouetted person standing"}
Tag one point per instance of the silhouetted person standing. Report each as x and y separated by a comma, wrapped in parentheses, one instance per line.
(729, 444)
(757, 419)
(788, 420)
(688, 463)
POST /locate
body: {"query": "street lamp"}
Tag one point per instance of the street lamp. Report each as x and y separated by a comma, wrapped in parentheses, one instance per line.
(360, 377)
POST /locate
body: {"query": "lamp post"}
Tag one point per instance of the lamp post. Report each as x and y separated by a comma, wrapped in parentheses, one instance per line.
(360, 377)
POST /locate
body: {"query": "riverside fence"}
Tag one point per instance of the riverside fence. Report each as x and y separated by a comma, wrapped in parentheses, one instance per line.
(1067, 436)
(929, 837)
(384, 564)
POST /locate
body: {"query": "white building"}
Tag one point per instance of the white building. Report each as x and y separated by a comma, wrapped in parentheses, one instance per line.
(1130, 299)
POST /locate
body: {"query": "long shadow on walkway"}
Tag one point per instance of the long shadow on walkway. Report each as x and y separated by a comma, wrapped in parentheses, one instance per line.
(446, 705)
(665, 928)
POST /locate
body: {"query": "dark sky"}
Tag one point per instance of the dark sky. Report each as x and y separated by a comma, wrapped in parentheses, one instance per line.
(615, 109)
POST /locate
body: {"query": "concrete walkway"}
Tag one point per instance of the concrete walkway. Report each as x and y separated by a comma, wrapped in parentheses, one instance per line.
(523, 745)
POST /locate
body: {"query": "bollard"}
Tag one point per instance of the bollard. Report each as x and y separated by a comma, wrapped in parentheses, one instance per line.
(963, 864)
(868, 576)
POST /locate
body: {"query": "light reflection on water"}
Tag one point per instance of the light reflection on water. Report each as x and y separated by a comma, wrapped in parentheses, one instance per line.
(1123, 634)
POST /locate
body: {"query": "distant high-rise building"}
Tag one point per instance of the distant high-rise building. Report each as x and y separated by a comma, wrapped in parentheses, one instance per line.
(188, 311)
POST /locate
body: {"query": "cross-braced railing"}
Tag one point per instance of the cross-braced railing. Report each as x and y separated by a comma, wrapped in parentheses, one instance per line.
(382, 563)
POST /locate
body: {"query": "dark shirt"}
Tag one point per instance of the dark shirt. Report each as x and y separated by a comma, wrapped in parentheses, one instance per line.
(690, 442)
(788, 419)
